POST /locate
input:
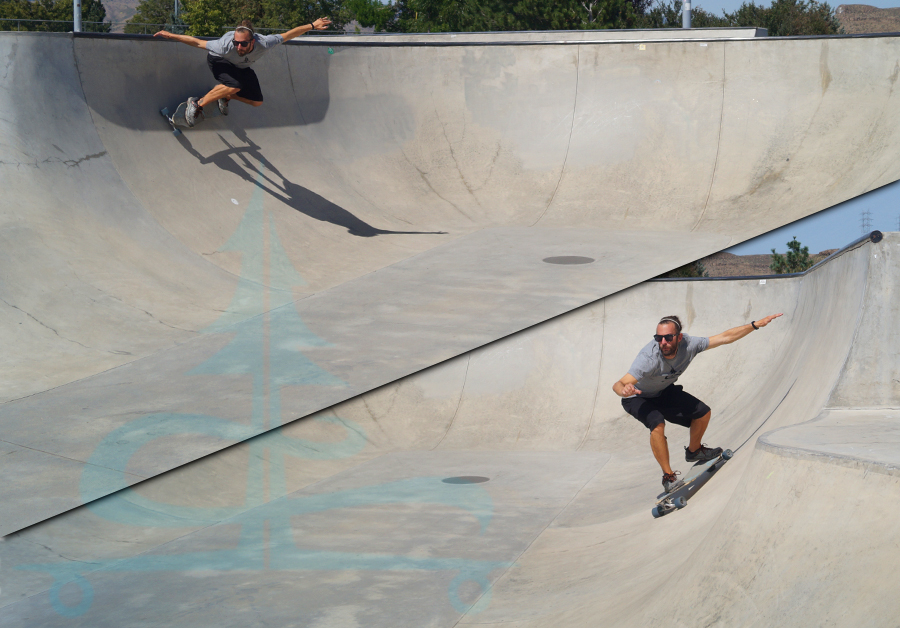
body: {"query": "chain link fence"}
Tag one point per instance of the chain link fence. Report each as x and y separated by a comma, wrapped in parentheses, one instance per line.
(132, 28)
(52, 26)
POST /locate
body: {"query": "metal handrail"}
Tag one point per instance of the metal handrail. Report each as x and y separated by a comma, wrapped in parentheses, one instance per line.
(874, 237)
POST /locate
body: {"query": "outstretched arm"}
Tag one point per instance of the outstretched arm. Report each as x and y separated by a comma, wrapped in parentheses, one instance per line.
(625, 386)
(185, 39)
(736, 333)
(320, 25)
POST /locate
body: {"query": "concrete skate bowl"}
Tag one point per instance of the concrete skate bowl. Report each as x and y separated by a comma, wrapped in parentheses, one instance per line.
(508, 487)
(389, 208)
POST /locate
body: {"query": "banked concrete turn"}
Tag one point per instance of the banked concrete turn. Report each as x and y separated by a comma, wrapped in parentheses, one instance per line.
(508, 487)
(388, 209)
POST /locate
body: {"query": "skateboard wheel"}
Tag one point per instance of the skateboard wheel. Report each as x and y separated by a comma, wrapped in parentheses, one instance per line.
(727, 454)
(657, 513)
(680, 502)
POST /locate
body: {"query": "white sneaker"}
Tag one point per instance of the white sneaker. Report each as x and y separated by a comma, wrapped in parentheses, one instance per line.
(223, 106)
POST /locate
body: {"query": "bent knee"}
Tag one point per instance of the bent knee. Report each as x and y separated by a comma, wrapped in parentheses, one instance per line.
(660, 429)
(256, 103)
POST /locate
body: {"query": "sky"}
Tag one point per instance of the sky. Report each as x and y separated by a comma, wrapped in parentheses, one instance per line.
(716, 6)
(832, 228)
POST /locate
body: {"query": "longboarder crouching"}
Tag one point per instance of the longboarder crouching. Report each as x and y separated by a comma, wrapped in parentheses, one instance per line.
(650, 395)
(229, 58)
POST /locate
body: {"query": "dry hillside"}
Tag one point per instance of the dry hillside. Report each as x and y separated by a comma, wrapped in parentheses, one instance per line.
(862, 18)
(730, 265)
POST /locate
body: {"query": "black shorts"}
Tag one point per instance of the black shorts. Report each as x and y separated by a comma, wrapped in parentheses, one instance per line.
(230, 75)
(673, 405)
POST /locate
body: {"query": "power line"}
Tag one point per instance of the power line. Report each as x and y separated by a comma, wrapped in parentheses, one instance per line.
(865, 221)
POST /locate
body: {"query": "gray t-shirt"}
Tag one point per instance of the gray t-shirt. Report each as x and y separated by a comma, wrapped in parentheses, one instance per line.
(224, 47)
(653, 372)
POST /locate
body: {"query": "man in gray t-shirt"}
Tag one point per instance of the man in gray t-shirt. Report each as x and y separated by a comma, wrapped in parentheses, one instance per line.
(230, 57)
(650, 395)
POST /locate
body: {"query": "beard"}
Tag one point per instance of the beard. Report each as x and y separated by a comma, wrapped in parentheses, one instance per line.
(670, 352)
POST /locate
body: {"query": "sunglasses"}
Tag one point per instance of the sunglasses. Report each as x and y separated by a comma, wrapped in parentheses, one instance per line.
(242, 44)
(660, 337)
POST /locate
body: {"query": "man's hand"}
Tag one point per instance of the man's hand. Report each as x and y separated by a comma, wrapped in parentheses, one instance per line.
(625, 386)
(765, 321)
(164, 35)
(320, 25)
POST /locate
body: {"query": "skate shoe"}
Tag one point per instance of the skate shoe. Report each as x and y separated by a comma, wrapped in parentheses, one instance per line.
(194, 111)
(703, 454)
(223, 106)
(671, 482)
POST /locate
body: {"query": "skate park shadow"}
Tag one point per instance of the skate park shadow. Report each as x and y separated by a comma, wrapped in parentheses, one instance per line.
(241, 161)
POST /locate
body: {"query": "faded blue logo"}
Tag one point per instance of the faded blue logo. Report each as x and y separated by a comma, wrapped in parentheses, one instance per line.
(268, 339)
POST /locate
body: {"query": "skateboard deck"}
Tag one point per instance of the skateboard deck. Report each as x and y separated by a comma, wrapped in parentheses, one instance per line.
(699, 475)
(176, 119)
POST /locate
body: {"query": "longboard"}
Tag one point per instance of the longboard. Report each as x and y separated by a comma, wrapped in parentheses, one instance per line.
(699, 475)
(177, 118)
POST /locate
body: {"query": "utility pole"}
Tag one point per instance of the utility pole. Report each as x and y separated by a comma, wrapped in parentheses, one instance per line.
(865, 221)
(686, 14)
(76, 16)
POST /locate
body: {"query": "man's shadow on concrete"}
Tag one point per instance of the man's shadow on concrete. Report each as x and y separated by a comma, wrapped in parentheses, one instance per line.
(237, 160)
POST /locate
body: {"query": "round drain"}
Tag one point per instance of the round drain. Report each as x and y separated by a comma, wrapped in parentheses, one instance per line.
(569, 259)
(466, 479)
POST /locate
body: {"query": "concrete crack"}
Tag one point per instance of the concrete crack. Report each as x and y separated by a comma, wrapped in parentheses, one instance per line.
(453, 157)
(69, 163)
(562, 170)
(74, 163)
(55, 553)
(9, 59)
(422, 174)
(134, 307)
(15, 307)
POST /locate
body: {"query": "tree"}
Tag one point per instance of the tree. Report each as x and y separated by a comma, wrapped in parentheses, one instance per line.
(783, 18)
(156, 13)
(373, 13)
(694, 269)
(212, 18)
(668, 15)
(516, 15)
(788, 18)
(795, 261)
(59, 12)
(208, 18)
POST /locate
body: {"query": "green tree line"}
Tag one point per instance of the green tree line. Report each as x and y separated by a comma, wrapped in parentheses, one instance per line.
(211, 17)
(58, 12)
